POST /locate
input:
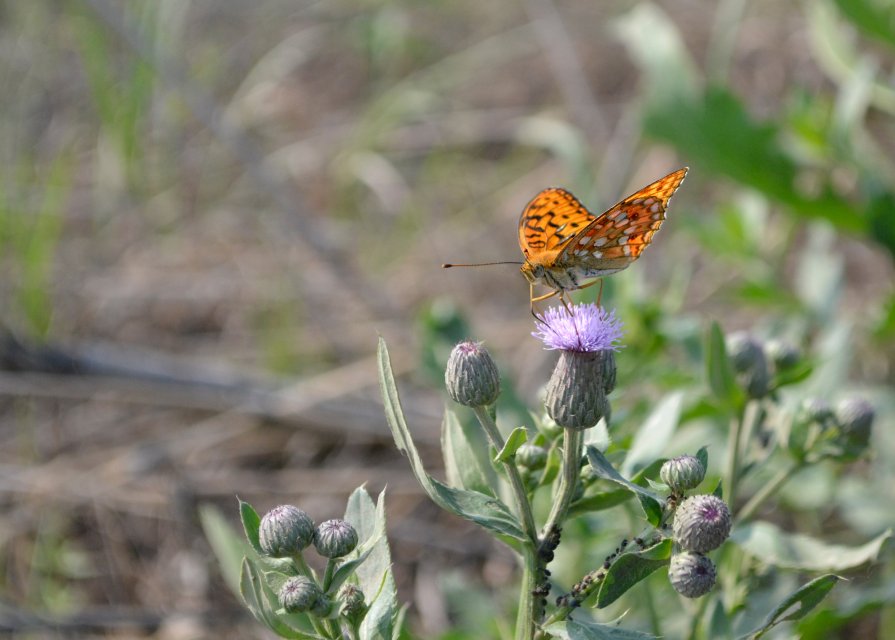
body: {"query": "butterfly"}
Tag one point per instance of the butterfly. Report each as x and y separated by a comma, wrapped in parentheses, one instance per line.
(565, 244)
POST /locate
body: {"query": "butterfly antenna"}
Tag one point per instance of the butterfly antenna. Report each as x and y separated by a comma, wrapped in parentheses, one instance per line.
(479, 264)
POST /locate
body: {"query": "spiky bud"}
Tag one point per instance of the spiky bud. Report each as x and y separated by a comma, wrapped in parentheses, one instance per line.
(471, 376)
(285, 531)
(855, 416)
(531, 456)
(352, 606)
(576, 393)
(335, 538)
(299, 594)
(691, 574)
(682, 473)
(701, 523)
(750, 364)
(783, 354)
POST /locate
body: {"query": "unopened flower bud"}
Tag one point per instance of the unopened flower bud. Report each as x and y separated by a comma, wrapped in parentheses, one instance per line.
(748, 360)
(783, 354)
(531, 456)
(335, 538)
(351, 603)
(576, 394)
(299, 594)
(285, 531)
(701, 523)
(816, 410)
(691, 574)
(471, 376)
(855, 419)
(682, 473)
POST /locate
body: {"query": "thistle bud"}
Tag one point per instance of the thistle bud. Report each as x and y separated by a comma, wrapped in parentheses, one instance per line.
(816, 410)
(351, 604)
(335, 538)
(691, 574)
(285, 531)
(576, 394)
(701, 523)
(531, 456)
(783, 354)
(299, 594)
(682, 473)
(471, 376)
(748, 360)
(855, 419)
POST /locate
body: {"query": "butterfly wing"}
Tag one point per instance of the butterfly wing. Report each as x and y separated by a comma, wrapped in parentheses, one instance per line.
(553, 217)
(616, 238)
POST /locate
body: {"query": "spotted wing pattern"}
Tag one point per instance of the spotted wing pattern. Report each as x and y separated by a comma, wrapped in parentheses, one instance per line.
(552, 218)
(618, 237)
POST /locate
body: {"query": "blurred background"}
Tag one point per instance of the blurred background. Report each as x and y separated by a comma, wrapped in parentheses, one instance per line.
(210, 210)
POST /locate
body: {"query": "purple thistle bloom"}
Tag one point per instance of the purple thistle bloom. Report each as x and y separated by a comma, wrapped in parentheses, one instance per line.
(589, 328)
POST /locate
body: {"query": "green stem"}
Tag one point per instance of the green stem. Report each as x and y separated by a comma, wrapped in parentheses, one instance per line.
(303, 567)
(694, 621)
(523, 507)
(571, 469)
(745, 423)
(525, 622)
(767, 490)
(328, 574)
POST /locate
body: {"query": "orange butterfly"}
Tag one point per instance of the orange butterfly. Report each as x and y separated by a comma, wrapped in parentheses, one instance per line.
(564, 243)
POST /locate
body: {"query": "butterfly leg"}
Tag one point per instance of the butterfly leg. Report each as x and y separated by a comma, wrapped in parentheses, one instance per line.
(532, 299)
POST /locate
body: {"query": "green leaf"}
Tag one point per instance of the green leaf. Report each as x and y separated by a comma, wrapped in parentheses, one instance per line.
(797, 551)
(797, 605)
(875, 18)
(703, 456)
(649, 500)
(516, 439)
(580, 630)
(722, 380)
(260, 599)
(599, 502)
(484, 510)
(251, 522)
(465, 450)
(374, 572)
(229, 547)
(629, 569)
(652, 438)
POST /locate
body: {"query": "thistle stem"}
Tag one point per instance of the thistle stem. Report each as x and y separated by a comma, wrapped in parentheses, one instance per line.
(745, 422)
(766, 491)
(525, 623)
(571, 468)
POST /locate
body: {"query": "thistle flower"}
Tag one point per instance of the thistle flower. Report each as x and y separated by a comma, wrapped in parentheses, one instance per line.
(691, 574)
(351, 603)
(285, 530)
(854, 417)
(702, 523)
(471, 376)
(589, 328)
(587, 338)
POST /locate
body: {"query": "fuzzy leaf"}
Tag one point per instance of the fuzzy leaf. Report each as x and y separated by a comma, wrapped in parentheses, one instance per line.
(465, 451)
(251, 523)
(649, 500)
(796, 551)
(652, 438)
(722, 380)
(629, 569)
(797, 605)
(484, 510)
(516, 439)
(580, 630)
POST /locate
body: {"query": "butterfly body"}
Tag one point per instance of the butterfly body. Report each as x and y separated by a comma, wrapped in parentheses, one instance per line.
(564, 244)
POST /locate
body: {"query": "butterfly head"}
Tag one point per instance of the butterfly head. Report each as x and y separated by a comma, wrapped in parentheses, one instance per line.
(533, 272)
